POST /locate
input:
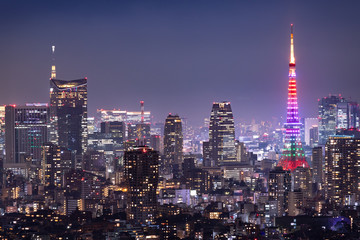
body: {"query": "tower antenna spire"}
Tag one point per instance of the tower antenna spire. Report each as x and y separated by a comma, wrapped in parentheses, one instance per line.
(292, 54)
(53, 68)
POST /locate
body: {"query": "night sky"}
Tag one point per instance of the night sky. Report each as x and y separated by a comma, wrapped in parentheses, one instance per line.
(180, 56)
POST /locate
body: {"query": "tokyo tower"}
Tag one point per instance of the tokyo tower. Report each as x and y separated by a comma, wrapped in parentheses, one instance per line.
(293, 154)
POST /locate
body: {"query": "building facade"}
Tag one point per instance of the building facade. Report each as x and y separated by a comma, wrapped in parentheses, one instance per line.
(222, 149)
(26, 132)
(173, 142)
(141, 174)
(68, 114)
(342, 173)
(328, 117)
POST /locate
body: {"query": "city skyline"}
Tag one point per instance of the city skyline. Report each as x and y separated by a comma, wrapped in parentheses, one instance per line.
(190, 53)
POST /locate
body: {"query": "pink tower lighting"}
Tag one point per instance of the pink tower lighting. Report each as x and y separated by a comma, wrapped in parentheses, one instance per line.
(293, 154)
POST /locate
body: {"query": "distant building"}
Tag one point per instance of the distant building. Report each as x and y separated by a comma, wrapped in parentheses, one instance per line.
(68, 114)
(310, 123)
(116, 130)
(173, 142)
(155, 143)
(26, 131)
(222, 135)
(118, 115)
(141, 174)
(328, 117)
(347, 115)
(317, 165)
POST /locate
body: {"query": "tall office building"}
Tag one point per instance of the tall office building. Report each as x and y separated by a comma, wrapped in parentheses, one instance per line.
(328, 117)
(25, 132)
(141, 174)
(342, 173)
(173, 142)
(317, 165)
(56, 161)
(293, 154)
(221, 135)
(68, 114)
(347, 115)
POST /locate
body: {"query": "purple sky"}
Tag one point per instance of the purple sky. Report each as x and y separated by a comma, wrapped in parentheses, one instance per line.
(180, 56)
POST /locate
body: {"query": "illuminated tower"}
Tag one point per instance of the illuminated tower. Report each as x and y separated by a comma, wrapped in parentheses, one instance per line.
(293, 154)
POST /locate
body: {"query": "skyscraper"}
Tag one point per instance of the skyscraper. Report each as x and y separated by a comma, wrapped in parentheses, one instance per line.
(141, 175)
(279, 186)
(173, 142)
(68, 114)
(347, 115)
(293, 154)
(26, 130)
(221, 135)
(56, 161)
(342, 173)
(328, 117)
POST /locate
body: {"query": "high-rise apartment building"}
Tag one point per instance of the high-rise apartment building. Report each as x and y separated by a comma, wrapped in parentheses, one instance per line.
(279, 186)
(56, 161)
(342, 173)
(221, 135)
(141, 174)
(25, 132)
(293, 154)
(68, 114)
(173, 142)
(302, 181)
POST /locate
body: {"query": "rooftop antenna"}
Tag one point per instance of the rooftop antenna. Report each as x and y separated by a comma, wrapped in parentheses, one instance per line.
(53, 68)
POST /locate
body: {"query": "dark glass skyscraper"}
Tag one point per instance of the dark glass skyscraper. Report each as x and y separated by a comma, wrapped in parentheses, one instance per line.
(173, 142)
(68, 114)
(221, 135)
(26, 130)
(141, 174)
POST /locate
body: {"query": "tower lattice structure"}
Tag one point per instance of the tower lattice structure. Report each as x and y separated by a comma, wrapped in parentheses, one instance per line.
(293, 154)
